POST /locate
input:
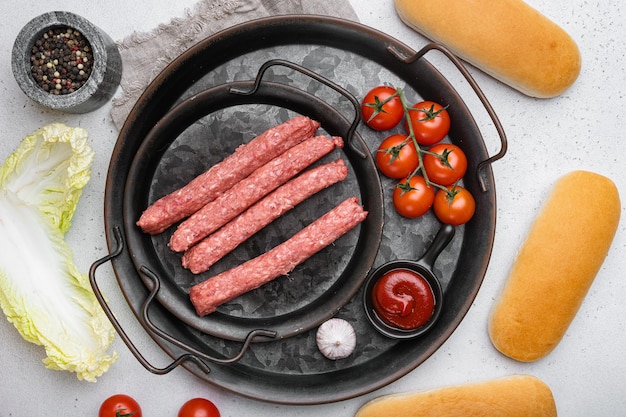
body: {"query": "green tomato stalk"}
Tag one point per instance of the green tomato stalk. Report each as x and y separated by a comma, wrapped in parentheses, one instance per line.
(395, 150)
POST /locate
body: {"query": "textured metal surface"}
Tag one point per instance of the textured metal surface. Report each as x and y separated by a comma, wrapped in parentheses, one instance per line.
(292, 370)
(202, 131)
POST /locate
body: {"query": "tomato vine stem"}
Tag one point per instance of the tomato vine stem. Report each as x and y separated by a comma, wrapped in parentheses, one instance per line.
(420, 169)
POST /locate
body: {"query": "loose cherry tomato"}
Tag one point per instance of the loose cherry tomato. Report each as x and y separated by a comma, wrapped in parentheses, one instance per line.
(430, 121)
(199, 407)
(447, 166)
(396, 156)
(454, 206)
(381, 108)
(412, 197)
(119, 405)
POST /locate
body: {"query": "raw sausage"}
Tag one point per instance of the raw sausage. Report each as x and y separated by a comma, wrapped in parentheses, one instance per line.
(280, 260)
(211, 249)
(250, 190)
(207, 186)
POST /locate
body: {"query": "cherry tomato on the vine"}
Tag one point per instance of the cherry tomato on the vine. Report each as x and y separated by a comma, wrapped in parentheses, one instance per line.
(199, 407)
(412, 197)
(396, 156)
(454, 206)
(382, 108)
(430, 121)
(119, 405)
(447, 166)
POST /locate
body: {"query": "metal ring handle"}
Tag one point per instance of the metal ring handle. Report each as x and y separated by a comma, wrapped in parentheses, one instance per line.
(481, 96)
(146, 306)
(355, 103)
(94, 285)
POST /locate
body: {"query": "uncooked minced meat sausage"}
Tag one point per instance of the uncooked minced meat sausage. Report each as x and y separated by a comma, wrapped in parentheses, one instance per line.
(220, 177)
(249, 190)
(280, 260)
(211, 249)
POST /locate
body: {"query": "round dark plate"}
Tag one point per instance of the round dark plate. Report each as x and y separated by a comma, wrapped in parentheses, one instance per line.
(206, 128)
(291, 370)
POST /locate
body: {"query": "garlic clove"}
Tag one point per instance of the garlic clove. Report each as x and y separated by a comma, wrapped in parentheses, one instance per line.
(336, 339)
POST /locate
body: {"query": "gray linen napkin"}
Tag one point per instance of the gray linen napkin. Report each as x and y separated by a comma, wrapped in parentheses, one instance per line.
(157, 48)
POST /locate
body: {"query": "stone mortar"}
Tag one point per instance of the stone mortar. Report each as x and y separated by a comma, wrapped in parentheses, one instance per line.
(105, 75)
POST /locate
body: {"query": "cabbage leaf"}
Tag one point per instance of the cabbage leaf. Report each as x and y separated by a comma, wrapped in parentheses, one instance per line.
(48, 300)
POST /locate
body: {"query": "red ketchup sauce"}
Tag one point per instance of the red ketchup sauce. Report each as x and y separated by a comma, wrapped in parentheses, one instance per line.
(404, 299)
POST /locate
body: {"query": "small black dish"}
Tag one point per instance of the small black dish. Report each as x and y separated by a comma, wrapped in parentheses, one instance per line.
(424, 268)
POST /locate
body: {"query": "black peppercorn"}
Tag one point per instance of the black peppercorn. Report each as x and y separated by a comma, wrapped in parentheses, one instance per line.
(61, 60)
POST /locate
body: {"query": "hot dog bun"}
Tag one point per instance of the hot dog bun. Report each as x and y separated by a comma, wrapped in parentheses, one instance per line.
(555, 266)
(511, 396)
(507, 39)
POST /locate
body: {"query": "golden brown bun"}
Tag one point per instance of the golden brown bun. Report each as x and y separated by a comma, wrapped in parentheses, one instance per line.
(511, 396)
(555, 266)
(507, 39)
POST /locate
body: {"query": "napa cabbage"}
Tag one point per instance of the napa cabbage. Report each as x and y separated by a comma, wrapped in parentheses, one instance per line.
(48, 300)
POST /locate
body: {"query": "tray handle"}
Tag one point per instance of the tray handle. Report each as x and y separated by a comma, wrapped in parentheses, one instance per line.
(193, 355)
(481, 96)
(353, 100)
(94, 285)
(197, 353)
